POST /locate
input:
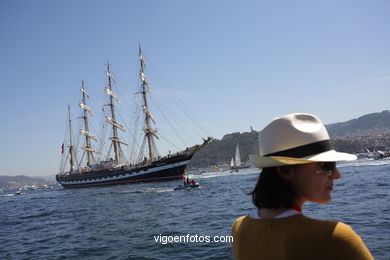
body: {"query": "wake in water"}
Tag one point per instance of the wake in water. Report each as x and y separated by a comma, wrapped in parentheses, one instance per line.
(207, 175)
(7, 195)
(148, 190)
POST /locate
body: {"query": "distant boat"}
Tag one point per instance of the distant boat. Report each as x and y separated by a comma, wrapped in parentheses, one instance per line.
(148, 166)
(189, 187)
(376, 154)
(32, 187)
(235, 163)
(18, 192)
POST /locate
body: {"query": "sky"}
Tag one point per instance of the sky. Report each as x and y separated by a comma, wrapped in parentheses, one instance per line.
(233, 64)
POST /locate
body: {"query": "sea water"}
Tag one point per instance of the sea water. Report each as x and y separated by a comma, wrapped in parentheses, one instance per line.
(140, 221)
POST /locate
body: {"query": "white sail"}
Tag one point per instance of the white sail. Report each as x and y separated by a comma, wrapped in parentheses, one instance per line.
(232, 162)
(237, 157)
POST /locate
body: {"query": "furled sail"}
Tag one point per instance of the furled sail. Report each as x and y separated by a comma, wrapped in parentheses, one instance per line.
(144, 80)
(108, 74)
(151, 131)
(147, 112)
(86, 108)
(143, 63)
(83, 90)
(115, 139)
(112, 94)
(89, 149)
(115, 123)
(86, 133)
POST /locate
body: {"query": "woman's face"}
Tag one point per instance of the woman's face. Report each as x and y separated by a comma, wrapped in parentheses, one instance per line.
(314, 181)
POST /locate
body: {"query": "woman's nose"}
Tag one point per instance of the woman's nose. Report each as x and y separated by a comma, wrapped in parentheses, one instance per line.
(336, 174)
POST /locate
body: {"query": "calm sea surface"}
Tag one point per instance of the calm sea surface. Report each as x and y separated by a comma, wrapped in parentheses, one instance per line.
(122, 222)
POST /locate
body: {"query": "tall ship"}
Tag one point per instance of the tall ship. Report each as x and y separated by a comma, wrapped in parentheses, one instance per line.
(113, 169)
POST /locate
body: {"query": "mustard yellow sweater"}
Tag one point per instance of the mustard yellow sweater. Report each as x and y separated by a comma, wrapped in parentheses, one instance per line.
(296, 237)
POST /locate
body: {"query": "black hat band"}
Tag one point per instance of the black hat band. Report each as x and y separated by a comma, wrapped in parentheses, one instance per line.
(304, 150)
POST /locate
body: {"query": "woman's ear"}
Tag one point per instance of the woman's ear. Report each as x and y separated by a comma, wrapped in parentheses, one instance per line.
(284, 172)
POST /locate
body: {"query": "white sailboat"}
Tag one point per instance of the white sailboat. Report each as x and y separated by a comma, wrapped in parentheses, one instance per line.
(235, 163)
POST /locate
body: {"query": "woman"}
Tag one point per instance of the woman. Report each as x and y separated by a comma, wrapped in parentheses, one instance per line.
(298, 165)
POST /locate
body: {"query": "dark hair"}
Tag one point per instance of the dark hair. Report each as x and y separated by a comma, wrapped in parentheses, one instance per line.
(272, 191)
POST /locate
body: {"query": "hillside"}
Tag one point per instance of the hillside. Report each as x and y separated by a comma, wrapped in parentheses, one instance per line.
(353, 136)
(367, 125)
(221, 151)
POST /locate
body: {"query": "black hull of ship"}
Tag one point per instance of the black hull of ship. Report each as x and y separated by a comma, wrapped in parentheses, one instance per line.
(171, 168)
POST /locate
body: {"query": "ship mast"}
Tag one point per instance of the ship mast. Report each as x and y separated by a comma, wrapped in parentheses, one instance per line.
(145, 88)
(111, 120)
(71, 148)
(85, 132)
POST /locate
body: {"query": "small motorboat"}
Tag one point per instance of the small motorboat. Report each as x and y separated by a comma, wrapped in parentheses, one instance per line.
(18, 192)
(187, 187)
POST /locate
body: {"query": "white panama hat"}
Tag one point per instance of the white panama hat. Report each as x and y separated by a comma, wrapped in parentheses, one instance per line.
(296, 139)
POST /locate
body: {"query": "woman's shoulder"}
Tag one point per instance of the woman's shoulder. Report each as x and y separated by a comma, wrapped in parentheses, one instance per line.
(344, 232)
(346, 243)
(347, 240)
(338, 228)
(239, 221)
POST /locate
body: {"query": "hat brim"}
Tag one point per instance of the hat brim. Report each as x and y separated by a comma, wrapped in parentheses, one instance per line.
(273, 161)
